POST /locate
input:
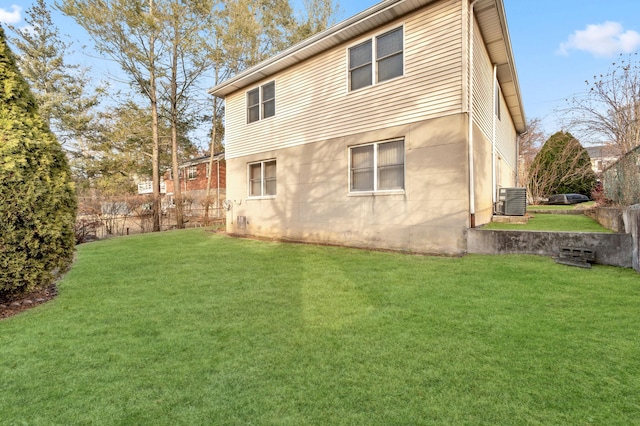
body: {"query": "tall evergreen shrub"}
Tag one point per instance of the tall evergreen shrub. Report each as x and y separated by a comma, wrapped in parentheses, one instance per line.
(37, 198)
(562, 166)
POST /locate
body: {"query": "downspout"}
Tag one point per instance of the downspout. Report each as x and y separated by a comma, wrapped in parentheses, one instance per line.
(472, 190)
(218, 187)
(496, 99)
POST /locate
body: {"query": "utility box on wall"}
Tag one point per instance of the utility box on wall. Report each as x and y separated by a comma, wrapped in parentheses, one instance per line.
(512, 201)
(242, 222)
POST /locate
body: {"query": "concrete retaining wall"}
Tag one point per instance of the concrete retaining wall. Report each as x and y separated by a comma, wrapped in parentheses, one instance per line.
(609, 217)
(610, 249)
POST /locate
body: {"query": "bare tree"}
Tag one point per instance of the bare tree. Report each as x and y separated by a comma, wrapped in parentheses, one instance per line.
(529, 145)
(128, 32)
(610, 110)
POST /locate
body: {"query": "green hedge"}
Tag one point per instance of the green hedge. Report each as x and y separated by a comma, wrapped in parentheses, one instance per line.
(37, 198)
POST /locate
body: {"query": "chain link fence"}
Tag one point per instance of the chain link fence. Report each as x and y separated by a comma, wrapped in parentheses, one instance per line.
(104, 217)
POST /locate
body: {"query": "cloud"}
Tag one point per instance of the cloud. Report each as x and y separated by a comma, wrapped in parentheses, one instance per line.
(602, 40)
(10, 17)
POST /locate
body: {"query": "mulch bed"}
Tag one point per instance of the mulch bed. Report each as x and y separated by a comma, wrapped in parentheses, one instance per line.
(31, 300)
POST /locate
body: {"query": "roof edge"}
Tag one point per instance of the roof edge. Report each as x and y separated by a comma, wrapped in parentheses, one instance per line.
(222, 89)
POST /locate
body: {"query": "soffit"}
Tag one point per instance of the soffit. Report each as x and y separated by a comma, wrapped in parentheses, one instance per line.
(491, 19)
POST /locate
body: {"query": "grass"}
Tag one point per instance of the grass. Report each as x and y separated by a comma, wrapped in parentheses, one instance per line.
(553, 222)
(194, 328)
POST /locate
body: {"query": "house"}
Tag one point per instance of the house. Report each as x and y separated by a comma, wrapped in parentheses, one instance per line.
(194, 175)
(621, 180)
(393, 129)
(602, 156)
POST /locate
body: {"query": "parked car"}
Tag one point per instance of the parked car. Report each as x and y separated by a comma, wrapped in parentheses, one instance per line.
(567, 199)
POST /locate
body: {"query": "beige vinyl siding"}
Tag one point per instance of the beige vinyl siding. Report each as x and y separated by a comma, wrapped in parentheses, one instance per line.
(483, 86)
(313, 103)
(483, 107)
(506, 138)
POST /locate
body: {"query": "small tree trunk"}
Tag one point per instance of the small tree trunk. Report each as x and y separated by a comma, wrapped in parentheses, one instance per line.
(177, 190)
(214, 121)
(155, 156)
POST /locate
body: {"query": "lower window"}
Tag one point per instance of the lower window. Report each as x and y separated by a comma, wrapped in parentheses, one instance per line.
(378, 166)
(262, 178)
(192, 172)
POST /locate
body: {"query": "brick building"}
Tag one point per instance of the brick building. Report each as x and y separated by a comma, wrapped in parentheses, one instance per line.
(193, 182)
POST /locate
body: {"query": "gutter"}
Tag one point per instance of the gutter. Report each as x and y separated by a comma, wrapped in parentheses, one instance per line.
(496, 100)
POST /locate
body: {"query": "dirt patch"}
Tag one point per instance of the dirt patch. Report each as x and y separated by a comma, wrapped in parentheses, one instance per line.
(31, 300)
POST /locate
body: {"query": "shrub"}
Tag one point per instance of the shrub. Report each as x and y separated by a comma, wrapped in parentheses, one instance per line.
(561, 166)
(37, 198)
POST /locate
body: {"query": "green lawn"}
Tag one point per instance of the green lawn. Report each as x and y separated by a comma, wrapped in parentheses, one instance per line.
(553, 222)
(195, 328)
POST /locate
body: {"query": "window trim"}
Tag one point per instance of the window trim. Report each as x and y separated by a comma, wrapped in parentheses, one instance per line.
(375, 190)
(194, 175)
(261, 102)
(262, 195)
(374, 58)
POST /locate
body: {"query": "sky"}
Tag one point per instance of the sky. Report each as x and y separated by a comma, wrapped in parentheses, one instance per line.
(557, 46)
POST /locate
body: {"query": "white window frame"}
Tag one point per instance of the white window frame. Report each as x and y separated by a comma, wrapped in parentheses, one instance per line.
(375, 189)
(192, 172)
(374, 59)
(261, 102)
(262, 194)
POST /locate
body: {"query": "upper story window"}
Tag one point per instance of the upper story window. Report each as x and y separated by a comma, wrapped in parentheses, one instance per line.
(262, 179)
(377, 166)
(385, 51)
(261, 102)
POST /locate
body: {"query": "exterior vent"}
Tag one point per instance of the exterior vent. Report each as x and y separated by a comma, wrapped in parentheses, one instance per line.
(242, 222)
(514, 201)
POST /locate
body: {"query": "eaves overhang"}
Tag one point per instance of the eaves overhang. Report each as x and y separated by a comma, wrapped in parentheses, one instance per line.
(491, 18)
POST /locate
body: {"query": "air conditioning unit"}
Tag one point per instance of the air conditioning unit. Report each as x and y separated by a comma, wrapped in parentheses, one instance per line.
(513, 201)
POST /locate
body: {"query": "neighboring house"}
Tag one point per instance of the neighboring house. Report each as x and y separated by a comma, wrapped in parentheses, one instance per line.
(601, 157)
(393, 129)
(193, 182)
(621, 180)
